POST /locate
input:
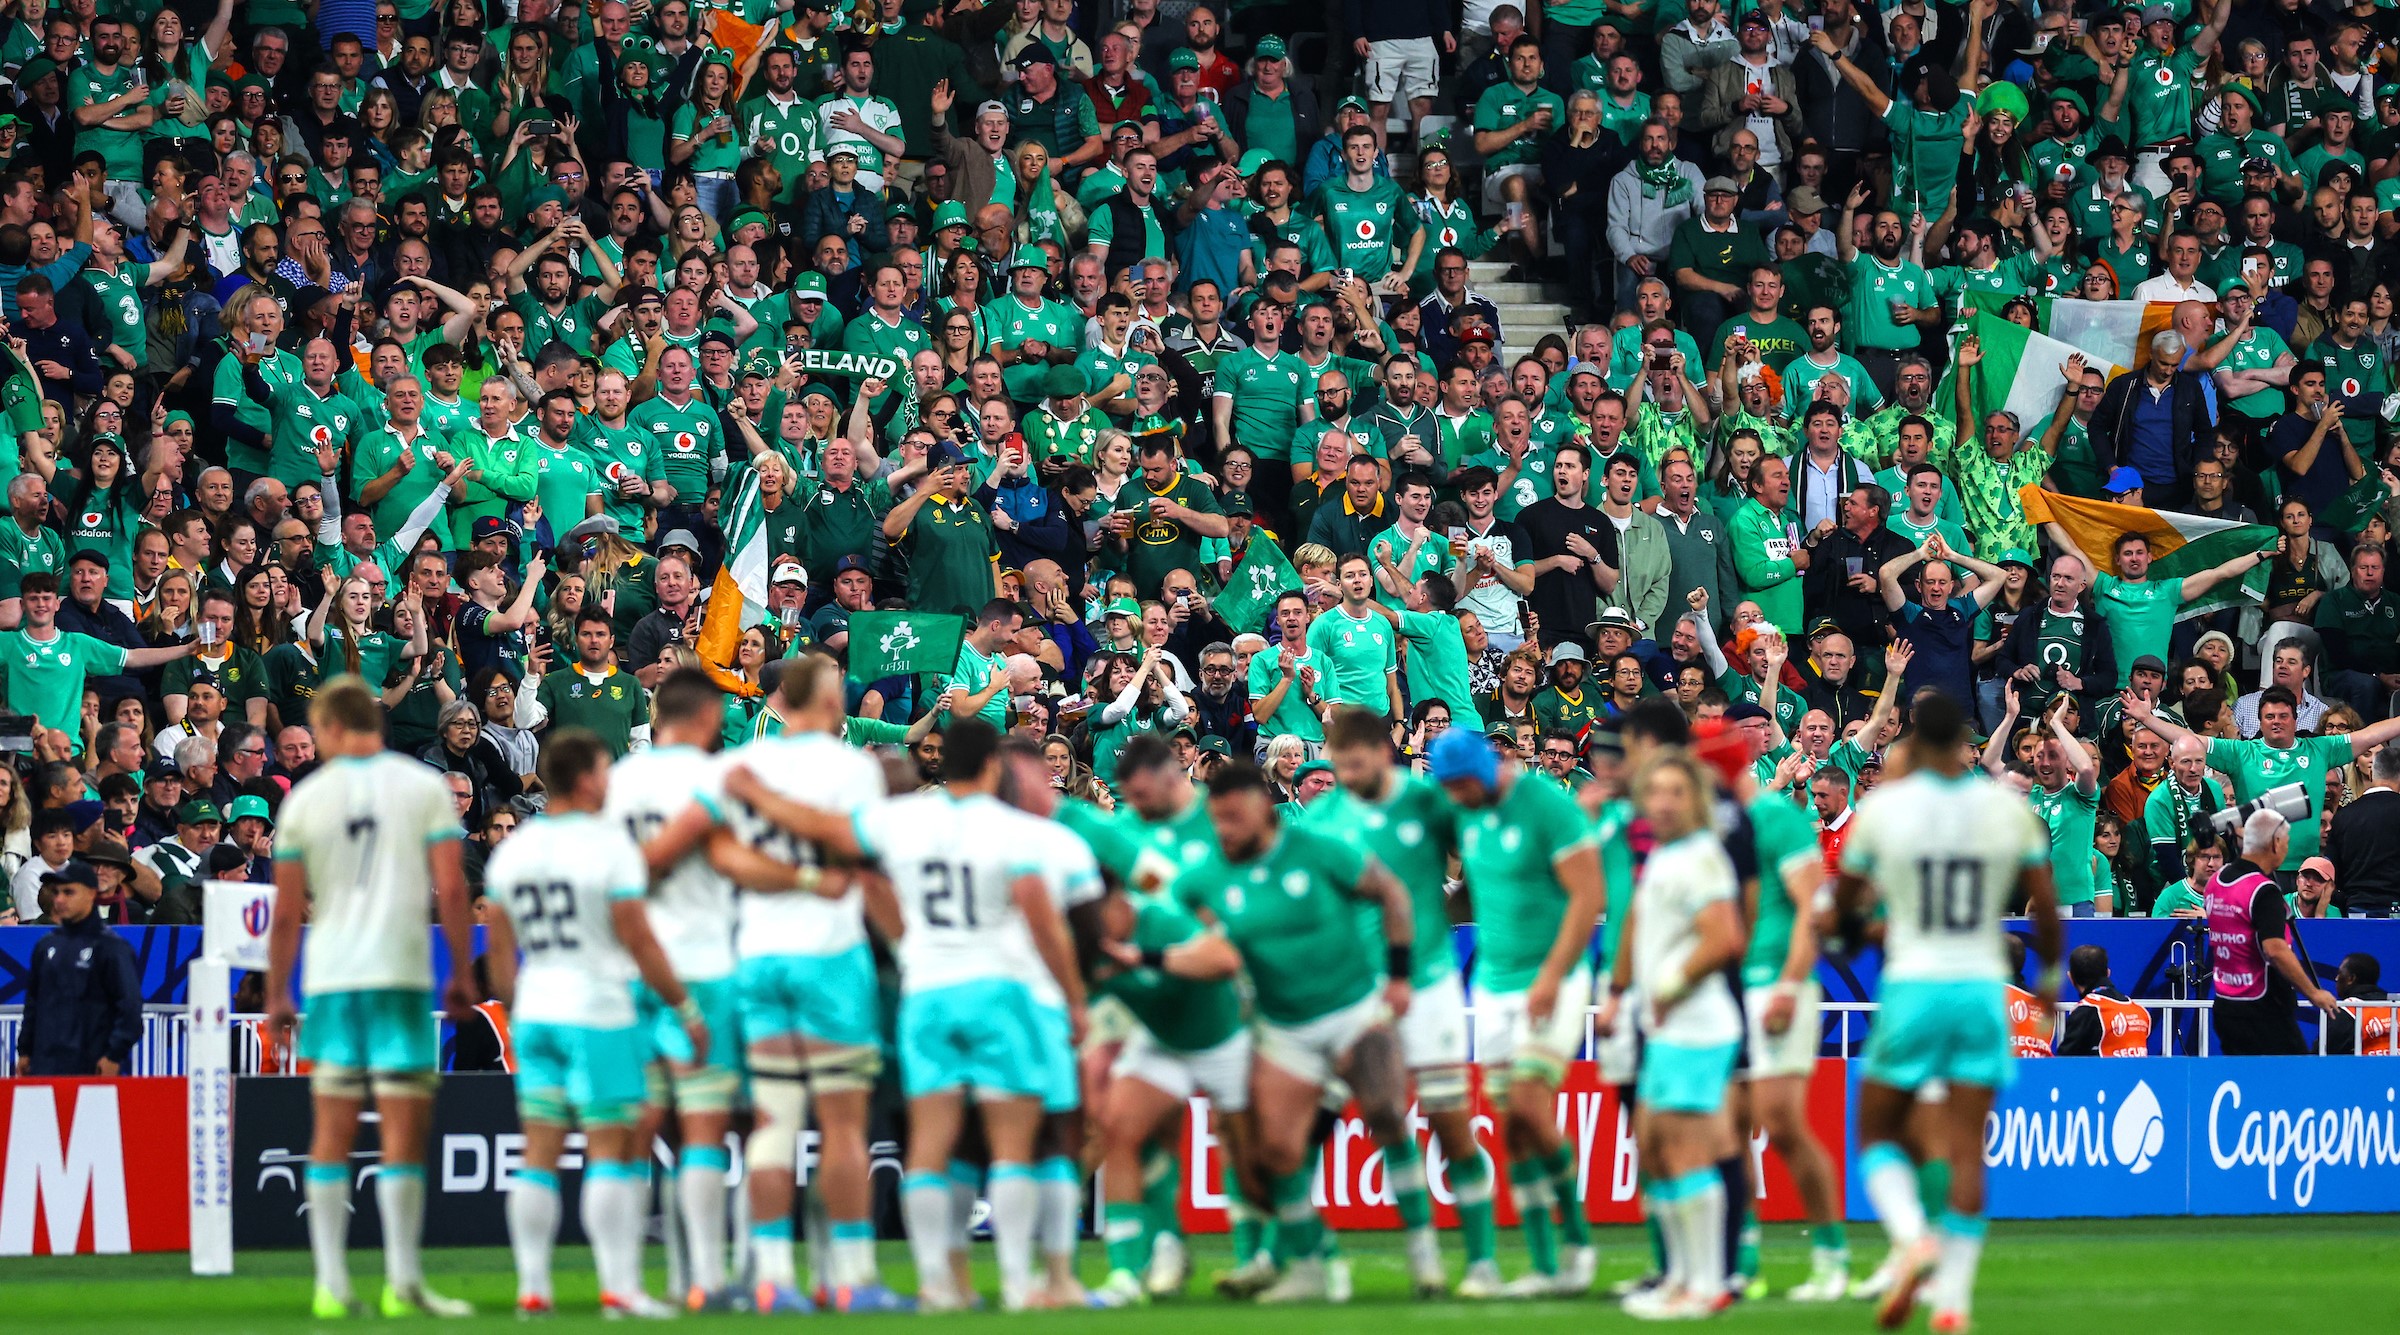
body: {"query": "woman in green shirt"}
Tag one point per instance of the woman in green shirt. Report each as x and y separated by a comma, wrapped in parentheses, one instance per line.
(1728, 486)
(103, 499)
(1446, 216)
(703, 136)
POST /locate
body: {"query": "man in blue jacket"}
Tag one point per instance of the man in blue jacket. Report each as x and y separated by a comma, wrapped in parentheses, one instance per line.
(83, 996)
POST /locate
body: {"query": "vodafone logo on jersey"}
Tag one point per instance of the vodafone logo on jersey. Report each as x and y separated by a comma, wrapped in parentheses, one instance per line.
(684, 442)
(2350, 386)
(93, 1166)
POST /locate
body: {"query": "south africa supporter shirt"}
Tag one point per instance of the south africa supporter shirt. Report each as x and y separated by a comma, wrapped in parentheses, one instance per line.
(610, 703)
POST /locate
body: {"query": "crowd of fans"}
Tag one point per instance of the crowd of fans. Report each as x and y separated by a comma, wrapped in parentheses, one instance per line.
(441, 343)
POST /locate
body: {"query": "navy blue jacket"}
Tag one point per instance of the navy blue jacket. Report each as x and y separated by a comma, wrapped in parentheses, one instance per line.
(83, 1001)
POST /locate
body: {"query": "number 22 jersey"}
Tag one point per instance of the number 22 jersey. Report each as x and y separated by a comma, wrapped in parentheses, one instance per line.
(559, 879)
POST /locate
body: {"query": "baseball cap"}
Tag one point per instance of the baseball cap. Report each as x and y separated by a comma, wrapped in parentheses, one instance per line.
(1754, 18)
(490, 526)
(1236, 503)
(1803, 199)
(198, 811)
(1460, 755)
(594, 527)
(2157, 14)
(1183, 58)
(852, 561)
(991, 109)
(1357, 104)
(1270, 47)
(249, 805)
(2383, 91)
(745, 218)
(1474, 331)
(1253, 160)
(79, 872)
(1216, 744)
(841, 150)
(2124, 479)
(1720, 185)
(2321, 866)
(944, 454)
(788, 570)
(642, 295)
(2258, 164)
(1122, 607)
(679, 537)
(809, 286)
(1567, 652)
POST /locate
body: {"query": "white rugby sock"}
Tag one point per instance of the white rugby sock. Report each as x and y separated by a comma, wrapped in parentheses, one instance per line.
(400, 1196)
(1891, 1181)
(925, 1206)
(533, 1228)
(1704, 1206)
(700, 1188)
(613, 1215)
(328, 1194)
(1016, 1205)
(1061, 1218)
(1962, 1251)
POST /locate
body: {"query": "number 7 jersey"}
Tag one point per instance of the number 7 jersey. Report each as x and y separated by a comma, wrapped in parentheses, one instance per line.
(362, 828)
(952, 862)
(1944, 854)
(559, 879)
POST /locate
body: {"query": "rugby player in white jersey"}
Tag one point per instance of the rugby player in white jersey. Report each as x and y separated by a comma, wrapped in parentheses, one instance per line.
(365, 844)
(1944, 850)
(1682, 931)
(1073, 877)
(969, 886)
(570, 889)
(694, 923)
(811, 1017)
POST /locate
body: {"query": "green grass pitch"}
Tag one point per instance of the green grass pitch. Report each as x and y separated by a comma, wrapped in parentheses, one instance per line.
(2132, 1277)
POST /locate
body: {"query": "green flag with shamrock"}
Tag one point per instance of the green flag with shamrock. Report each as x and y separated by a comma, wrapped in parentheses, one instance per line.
(902, 644)
(1258, 579)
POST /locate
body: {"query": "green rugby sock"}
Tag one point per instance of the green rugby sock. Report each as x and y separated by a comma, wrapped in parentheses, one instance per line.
(1829, 1237)
(1404, 1169)
(1126, 1227)
(1560, 1165)
(1162, 1185)
(1530, 1183)
(1933, 1187)
(1298, 1230)
(1471, 1180)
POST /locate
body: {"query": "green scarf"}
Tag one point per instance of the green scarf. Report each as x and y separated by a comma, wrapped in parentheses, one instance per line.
(1041, 212)
(1664, 182)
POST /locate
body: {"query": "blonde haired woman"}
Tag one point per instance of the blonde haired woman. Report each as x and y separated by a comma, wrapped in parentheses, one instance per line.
(620, 577)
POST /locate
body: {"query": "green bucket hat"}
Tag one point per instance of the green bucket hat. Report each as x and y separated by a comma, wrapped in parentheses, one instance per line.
(1030, 257)
(1063, 382)
(950, 213)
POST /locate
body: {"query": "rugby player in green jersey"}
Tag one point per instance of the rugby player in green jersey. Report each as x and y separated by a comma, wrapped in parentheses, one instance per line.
(1533, 868)
(1168, 971)
(1283, 896)
(1410, 828)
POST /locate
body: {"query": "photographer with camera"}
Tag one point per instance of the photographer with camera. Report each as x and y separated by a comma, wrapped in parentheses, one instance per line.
(2257, 972)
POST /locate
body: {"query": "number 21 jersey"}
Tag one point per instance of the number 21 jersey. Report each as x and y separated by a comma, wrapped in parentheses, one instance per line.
(362, 828)
(952, 862)
(1944, 854)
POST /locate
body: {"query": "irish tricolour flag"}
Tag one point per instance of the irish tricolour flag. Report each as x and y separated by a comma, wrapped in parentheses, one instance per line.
(2020, 371)
(2180, 544)
(738, 600)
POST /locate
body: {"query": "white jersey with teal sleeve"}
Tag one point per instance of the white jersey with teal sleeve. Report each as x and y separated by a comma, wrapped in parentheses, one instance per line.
(952, 862)
(361, 828)
(818, 770)
(1073, 877)
(695, 918)
(558, 878)
(1944, 855)
(1679, 880)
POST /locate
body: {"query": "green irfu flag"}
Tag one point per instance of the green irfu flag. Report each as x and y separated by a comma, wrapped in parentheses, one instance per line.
(2364, 500)
(903, 644)
(1262, 576)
